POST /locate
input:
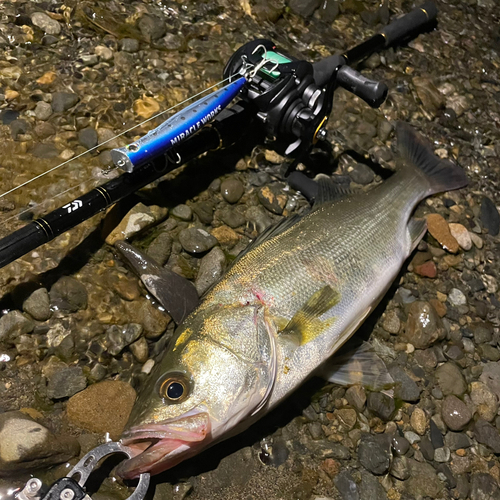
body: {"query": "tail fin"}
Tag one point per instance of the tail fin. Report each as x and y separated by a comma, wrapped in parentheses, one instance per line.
(442, 175)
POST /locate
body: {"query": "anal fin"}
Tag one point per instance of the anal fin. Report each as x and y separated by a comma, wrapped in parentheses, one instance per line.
(305, 324)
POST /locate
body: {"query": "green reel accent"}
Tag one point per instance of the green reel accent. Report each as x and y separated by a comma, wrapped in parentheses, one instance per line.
(275, 58)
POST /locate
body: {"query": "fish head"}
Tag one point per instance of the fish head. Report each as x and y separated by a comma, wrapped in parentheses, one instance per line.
(217, 373)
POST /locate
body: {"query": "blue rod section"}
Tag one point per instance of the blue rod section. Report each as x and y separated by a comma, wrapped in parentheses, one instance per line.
(177, 128)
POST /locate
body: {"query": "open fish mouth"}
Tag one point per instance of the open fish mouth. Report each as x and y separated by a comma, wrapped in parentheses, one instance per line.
(160, 446)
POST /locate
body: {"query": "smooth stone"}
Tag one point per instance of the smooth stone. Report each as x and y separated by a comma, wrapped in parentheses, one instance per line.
(153, 320)
(62, 101)
(205, 211)
(483, 332)
(450, 379)
(491, 377)
(44, 151)
(328, 449)
(102, 407)
(381, 405)
(485, 400)
(232, 189)
(273, 198)
(258, 218)
(456, 415)
(46, 23)
(457, 297)
(152, 27)
(14, 324)
(18, 127)
(182, 212)
(43, 110)
(361, 174)
(37, 305)
(87, 137)
(405, 389)
(486, 434)
(66, 382)
(346, 486)
(457, 440)
(440, 230)
(435, 435)
(233, 218)
(210, 271)
(399, 468)
(7, 116)
(374, 453)
(400, 445)
(226, 236)
(423, 326)
(304, 8)
(427, 449)
(26, 445)
(419, 421)
(68, 295)
(412, 437)
(423, 480)
(427, 269)
(195, 240)
(140, 350)
(461, 234)
(44, 130)
(118, 337)
(490, 218)
(129, 44)
(442, 454)
(160, 248)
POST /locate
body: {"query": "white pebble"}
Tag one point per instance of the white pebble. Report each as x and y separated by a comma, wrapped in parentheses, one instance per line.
(457, 297)
(148, 366)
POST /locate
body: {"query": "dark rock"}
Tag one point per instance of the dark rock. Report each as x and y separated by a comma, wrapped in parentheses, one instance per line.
(62, 101)
(18, 127)
(456, 440)
(45, 151)
(273, 198)
(233, 218)
(486, 434)
(232, 189)
(463, 486)
(346, 485)
(456, 415)
(258, 219)
(161, 248)
(406, 389)
(275, 454)
(450, 379)
(37, 305)
(182, 212)
(423, 326)
(328, 11)
(423, 480)
(356, 397)
(28, 445)
(87, 137)
(400, 445)
(490, 218)
(374, 453)
(118, 337)
(211, 270)
(450, 478)
(204, 210)
(195, 240)
(427, 449)
(483, 332)
(66, 382)
(362, 174)
(483, 487)
(491, 377)
(304, 8)
(129, 44)
(370, 488)
(8, 116)
(328, 449)
(44, 130)
(68, 295)
(152, 27)
(399, 468)
(381, 405)
(436, 436)
(13, 324)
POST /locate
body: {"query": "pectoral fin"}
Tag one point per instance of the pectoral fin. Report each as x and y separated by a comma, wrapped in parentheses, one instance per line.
(417, 229)
(359, 366)
(305, 324)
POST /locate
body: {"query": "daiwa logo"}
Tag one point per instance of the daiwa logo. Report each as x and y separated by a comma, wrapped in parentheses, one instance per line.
(74, 205)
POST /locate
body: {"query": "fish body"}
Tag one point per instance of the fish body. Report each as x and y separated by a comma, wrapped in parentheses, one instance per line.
(281, 312)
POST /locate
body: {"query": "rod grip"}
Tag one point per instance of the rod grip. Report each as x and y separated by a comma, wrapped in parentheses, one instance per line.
(409, 23)
(21, 242)
(371, 91)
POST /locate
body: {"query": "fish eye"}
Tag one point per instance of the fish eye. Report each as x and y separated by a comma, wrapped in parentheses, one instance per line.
(173, 388)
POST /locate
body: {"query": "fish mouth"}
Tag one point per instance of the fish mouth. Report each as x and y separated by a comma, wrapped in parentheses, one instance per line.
(161, 445)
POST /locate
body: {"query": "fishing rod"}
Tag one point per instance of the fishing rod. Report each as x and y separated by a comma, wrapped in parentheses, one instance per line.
(289, 99)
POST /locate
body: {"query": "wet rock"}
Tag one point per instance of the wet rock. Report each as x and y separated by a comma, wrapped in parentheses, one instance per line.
(205, 211)
(440, 230)
(491, 377)
(13, 324)
(66, 382)
(328, 10)
(196, 240)
(8, 116)
(362, 174)
(129, 44)
(232, 189)
(347, 418)
(419, 421)
(442, 455)
(258, 218)
(432, 99)
(483, 487)
(490, 218)
(43, 110)
(489, 352)
(427, 449)
(424, 326)
(68, 295)
(210, 271)
(161, 248)
(46, 23)
(274, 453)
(140, 350)
(485, 400)
(381, 405)
(462, 236)
(37, 305)
(45, 151)
(226, 236)
(374, 453)
(87, 137)
(304, 8)
(102, 407)
(450, 379)
(400, 445)
(392, 323)
(412, 437)
(435, 435)
(146, 107)
(18, 127)
(356, 397)
(370, 487)
(486, 434)
(62, 101)
(43, 131)
(456, 415)
(457, 297)
(153, 320)
(183, 212)
(104, 53)
(118, 337)
(346, 486)
(231, 217)
(152, 27)
(138, 218)
(272, 198)
(406, 389)
(400, 469)
(457, 440)
(426, 358)
(423, 481)
(27, 445)
(427, 269)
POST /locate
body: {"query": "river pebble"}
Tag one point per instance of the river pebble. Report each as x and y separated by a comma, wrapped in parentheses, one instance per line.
(423, 326)
(87, 137)
(490, 218)
(103, 407)
(43, 110)
(46, 23)
(37, 305)
(450, 379)
(456, 415)
(196, 241)
(232, 189)
(460, 233)
(273, 198)
(485, 401)
(182, 212)
(440, 230)
(211, 269)
(406, 389)
(419, 421)
(486, 434)
(68, 295)
(65, 382)
(62, 101)
(13, 324)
